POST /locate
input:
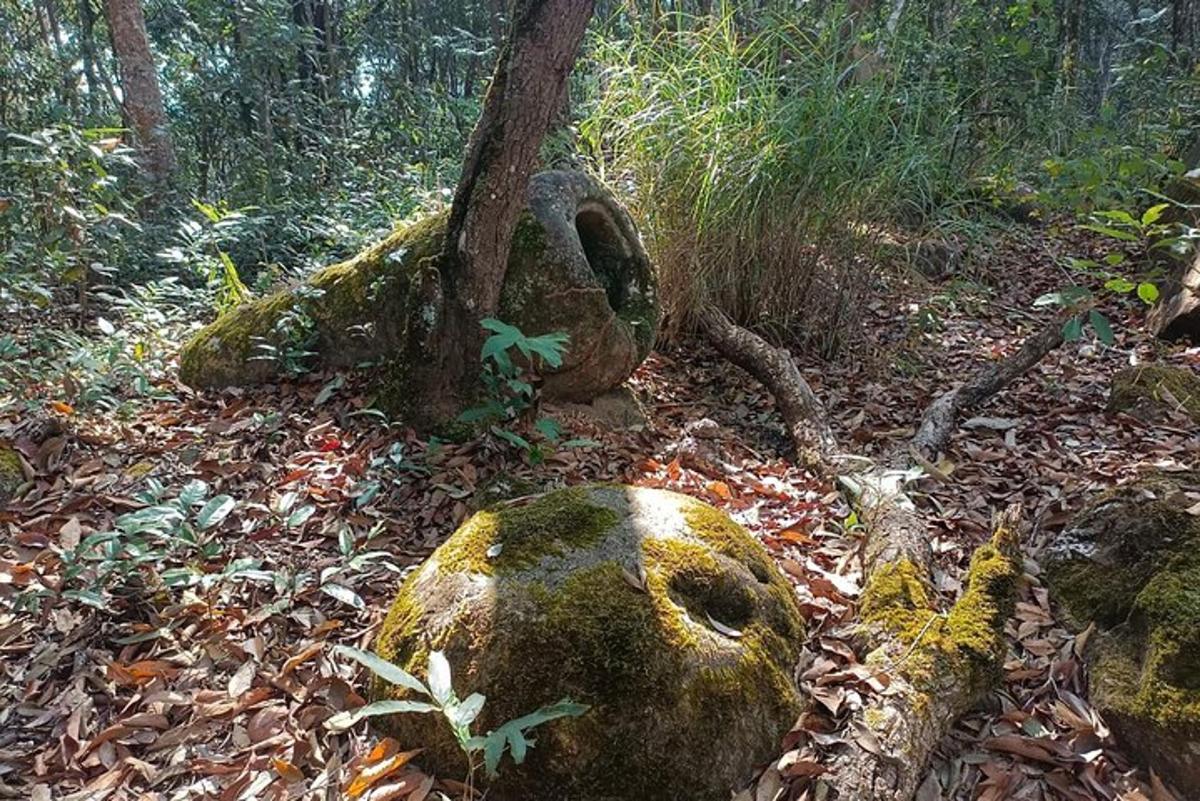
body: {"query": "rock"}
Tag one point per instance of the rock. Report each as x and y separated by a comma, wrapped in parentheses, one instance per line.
(12, 475)
(577, 265)
(1155, 391)
(1130, 563)
(619, 409)
(1176, 315)
(655, 609)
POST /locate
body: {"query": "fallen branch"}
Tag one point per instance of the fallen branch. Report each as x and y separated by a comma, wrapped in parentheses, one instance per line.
(801, 410)
(941, 417)
(938, 665)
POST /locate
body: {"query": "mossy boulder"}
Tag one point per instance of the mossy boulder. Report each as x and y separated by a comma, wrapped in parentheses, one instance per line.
(12, 476)
(1150, 391)
(577, 265)
(1130, 563)
(655, 609)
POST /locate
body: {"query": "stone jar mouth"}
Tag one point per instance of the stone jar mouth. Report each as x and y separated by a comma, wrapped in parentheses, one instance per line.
(609, 254)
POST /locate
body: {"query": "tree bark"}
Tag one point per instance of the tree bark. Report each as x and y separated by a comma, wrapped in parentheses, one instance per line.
(464, 286)
(142, 97)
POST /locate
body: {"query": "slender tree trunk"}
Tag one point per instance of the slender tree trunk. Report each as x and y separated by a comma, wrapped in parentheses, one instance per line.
(526, 91)
(141, 94)
(87, 47)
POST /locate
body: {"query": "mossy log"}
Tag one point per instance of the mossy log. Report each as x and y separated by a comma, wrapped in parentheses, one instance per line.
(1130, 563)
(938, 665)
(577, 265)
(655, 609)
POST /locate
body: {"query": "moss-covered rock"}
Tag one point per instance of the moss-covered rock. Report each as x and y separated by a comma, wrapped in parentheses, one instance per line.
(657, 610)
(11, 474)
(1149, 391)
(1131, 563)
(577, 265)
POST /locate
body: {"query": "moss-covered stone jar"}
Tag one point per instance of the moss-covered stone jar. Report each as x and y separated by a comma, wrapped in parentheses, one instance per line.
(655, 609)
(1130, 562)
(577, 266)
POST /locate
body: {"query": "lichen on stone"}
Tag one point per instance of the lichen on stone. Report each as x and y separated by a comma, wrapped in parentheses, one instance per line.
(615, 597)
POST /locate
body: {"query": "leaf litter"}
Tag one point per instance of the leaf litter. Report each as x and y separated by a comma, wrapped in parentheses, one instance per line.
(224, 689)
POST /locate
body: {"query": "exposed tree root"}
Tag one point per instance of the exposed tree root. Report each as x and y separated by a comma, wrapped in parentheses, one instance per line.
(941, 417)
(939, 664)
(801, 410)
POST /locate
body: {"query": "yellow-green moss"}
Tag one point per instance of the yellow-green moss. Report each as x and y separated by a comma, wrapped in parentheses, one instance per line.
(11, 474)
(370, 287)
(1156, 385)
(898, 601)
(525, 534)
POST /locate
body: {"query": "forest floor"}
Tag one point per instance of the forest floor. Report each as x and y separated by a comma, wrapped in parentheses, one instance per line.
(221, 690)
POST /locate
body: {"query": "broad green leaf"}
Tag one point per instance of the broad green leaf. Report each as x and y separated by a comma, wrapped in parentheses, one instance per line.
(1151, 215)
(513, 439)
(346, 720)
(1117, 215)
(193, 492)
(549, 428)
(299, 517)
(1114, 233)
(1147, 292)
(344, 594)
(1102, 327)
(493, 749)
(213, 512)
(463, 715)
(1121, 285)
(382, 668)
(1073, 329)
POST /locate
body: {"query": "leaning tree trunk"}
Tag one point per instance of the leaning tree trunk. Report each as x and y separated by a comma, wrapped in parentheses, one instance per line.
(142, 98)
(463, 287)
(937, 664)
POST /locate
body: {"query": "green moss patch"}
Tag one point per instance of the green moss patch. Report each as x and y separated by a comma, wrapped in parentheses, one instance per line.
(968, 640)
(1131, 564)
(1152, 387)
(11, 474)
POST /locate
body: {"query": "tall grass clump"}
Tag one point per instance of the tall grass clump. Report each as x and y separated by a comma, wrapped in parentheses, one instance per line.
(760, 166)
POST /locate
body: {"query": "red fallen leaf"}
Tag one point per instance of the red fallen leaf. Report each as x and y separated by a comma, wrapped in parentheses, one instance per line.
(329, 444)
(62, 408)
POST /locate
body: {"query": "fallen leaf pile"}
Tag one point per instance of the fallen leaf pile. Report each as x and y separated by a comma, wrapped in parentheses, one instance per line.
(307, 508)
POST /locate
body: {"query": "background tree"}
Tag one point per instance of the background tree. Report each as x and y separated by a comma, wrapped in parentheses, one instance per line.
(141, 96)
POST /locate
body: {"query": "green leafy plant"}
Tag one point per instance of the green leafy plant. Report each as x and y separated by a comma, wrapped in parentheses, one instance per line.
(200, 246)
(510, 392)
(459, 714)
(164, 545)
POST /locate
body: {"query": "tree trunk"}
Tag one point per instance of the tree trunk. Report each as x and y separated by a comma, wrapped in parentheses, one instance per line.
(140, 90)
(464, 287)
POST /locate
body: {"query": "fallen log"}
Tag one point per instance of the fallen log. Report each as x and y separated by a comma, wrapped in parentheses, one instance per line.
(940, 664)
